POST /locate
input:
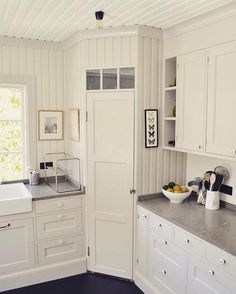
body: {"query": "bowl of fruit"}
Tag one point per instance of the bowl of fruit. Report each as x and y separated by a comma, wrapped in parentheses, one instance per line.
(176, 193)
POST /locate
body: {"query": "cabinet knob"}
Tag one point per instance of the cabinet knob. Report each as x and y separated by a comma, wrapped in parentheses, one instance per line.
(159, 225)
(61, 242)
(144, 216)
(163, 272)
(60, 216)
(211, 273)
(6, 226)
(233, 151)
(60, 205)
(186, 241)
(164, 242)
(198, 147)
(222, 261)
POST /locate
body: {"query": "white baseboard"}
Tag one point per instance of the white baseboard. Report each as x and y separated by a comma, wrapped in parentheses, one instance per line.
(144, 284)
(42, 274)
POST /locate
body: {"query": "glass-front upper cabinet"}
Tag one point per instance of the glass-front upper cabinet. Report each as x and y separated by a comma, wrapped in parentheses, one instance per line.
(93, 79)
(127, 78)
(109, 78)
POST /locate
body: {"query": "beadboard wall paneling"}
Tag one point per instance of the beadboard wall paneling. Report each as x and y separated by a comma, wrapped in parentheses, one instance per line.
(46, 65)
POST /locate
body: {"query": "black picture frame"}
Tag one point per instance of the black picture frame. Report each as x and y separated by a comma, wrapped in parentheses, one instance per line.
(151, 128)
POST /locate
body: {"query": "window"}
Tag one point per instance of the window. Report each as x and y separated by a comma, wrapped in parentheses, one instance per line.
(12, 132)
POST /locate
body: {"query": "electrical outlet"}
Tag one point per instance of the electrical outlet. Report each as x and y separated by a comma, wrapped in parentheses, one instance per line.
(226, 189)
(48, 164)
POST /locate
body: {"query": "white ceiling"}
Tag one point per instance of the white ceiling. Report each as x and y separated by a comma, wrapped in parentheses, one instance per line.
(56, 20)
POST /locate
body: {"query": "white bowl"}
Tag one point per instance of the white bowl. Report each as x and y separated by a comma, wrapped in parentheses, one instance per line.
(177, 197)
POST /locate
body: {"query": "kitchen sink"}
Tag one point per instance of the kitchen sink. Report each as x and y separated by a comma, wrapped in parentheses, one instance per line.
(14, 198)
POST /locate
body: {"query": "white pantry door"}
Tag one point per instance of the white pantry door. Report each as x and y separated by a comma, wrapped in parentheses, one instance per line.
(110, 130)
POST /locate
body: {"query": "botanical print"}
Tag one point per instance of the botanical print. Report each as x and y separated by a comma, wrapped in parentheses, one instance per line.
(151, 129)
(50, 125)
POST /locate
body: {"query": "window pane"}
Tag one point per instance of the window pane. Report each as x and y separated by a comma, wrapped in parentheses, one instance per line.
(93, 79)
(127, 77)
(10, 166)
(10, 103)
(109, 78)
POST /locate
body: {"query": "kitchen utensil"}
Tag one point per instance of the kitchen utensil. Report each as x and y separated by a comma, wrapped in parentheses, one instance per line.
(223, 171)
(212, 200)
(218, 182)
(212, 180)
(33, 178)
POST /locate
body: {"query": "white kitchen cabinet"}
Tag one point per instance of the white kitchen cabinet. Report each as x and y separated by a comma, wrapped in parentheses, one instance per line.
(16, 245)
(221, 118)
(142, 241)
(190, 101)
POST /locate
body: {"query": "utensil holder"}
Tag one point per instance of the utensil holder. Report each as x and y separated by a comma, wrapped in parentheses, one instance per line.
(212, 200)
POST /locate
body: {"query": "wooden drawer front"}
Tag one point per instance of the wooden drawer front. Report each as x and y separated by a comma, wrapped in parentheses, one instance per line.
(59, 224)
(222, 259)
(60, 250)
(206, 278)
(189, 242)
(177, 255)
(165, 275)
(58, 204)
(161, 226)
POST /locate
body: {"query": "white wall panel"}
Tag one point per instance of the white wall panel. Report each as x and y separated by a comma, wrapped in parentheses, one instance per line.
(46, 65)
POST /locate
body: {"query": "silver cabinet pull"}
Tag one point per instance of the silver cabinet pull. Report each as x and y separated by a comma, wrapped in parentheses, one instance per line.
(159, 225)
(60, 205)
(6, 226)
(164, 242)
(186, 241)
(163, 272)
(211, 273)
(222, 261)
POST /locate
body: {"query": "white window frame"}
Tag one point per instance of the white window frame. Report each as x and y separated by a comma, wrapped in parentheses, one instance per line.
(29, 121)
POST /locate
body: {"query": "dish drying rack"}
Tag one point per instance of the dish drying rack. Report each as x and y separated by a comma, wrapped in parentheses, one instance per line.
(64, 174)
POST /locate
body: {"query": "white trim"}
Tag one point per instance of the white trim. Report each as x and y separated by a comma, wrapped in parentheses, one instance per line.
(124, 31)
(37, 44)
(30, 110)
(144, 284)
(42, 274)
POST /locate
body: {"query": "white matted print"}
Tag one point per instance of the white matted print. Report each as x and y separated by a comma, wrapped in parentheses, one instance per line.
(74, 118)
(51, 124)
(151, 128)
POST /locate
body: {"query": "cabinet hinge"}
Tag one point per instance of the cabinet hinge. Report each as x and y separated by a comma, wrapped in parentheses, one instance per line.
(132, 191)
(88, 251)
(86, 116)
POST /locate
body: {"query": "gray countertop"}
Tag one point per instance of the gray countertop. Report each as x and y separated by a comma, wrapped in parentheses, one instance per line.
(216, 227)
(44, 191)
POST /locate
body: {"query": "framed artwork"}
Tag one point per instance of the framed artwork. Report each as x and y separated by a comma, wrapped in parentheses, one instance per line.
(51, 124)
(74, 117)
(151, 128)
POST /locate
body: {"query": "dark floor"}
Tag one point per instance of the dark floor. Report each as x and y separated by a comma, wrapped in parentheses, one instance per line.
(82, 284)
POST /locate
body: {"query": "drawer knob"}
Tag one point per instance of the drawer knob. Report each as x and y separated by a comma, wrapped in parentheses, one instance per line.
(222, 261)
(61, 242)
(159, 225)
(163, 272)
(164, 242)
(211, 273)
(60, 216)
(186, 241)
(233, 151)
(60, 205)
(144, 216)
(198, 147)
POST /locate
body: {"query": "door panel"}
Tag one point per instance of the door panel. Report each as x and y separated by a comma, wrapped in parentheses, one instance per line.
(221, 118)
(191, 101)
(110, 178)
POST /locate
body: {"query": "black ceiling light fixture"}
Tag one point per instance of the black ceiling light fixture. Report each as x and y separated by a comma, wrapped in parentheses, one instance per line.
(99, 17)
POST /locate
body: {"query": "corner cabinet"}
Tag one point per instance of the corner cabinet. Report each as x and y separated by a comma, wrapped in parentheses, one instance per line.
(221, 117)
(190, 101)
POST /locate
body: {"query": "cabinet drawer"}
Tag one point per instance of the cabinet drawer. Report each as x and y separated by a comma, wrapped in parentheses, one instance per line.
(58, 204)
(59, 224)
(189, 242)
(176, 254)
(161, 226)
(165, 275)
(206, 278)
(222, 259)
(59, 250)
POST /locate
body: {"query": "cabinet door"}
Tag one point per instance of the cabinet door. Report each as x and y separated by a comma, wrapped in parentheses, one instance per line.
(142, 242)
(221, 118)
(190, 101)
(16, 246)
